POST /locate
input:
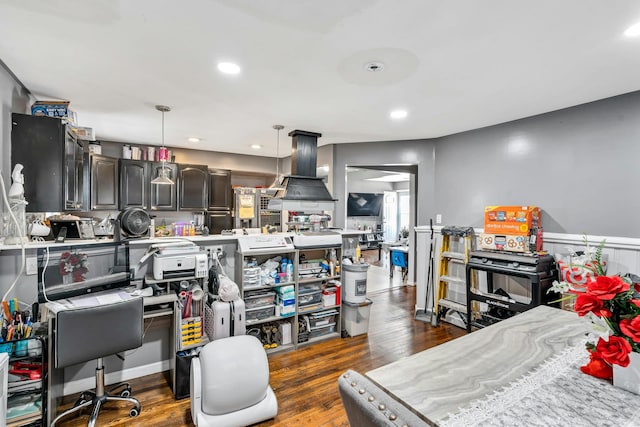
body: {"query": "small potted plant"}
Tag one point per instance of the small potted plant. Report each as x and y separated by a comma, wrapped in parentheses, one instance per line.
(404, 234)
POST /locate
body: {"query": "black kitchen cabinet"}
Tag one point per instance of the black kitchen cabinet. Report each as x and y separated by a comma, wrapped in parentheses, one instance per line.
(219, 189)
(219, 220)
(163, 197)
(193, 184)
(134, 184)
(104, 183)
(53, 161)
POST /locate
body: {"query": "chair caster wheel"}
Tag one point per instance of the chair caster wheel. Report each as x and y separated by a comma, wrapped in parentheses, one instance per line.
(126, 393)
(134, 412)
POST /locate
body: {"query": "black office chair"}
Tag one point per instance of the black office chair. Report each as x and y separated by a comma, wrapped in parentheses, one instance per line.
(87, 333)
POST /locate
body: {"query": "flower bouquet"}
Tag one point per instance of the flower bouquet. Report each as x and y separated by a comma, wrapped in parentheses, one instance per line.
(613, 306)
(73, 265)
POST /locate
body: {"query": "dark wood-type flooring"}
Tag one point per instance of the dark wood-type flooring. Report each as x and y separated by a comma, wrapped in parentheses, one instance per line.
(304, 380)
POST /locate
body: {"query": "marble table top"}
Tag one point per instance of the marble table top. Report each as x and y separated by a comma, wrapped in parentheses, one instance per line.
(440, 380)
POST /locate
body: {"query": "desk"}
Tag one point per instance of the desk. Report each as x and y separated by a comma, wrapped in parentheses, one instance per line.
(439, 381)
(153, 308)
(399, 256)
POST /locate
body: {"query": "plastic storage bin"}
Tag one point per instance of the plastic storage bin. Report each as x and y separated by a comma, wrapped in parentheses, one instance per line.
(355, 282)
(322, 318)
(355, 317)
(260, 313)
(259, 299)
(322, 330)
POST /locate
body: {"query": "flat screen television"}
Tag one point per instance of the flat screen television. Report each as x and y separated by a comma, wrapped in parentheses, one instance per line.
(364, 204)
(69, 271)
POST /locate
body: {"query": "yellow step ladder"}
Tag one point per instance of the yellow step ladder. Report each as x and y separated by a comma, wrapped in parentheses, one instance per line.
(457, 243)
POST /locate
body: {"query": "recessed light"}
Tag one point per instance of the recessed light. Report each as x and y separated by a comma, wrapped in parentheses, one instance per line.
(193, 139)
(633, 31)
(228, 68)
(398, 114)
(256, 146)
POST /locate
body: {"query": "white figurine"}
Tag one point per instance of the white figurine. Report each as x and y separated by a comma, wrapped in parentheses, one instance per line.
(17, 188)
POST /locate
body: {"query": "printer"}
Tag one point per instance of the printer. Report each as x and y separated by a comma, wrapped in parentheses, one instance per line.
(179, 260)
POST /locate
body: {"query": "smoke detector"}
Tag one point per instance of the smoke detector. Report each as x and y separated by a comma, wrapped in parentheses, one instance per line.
(374, 66)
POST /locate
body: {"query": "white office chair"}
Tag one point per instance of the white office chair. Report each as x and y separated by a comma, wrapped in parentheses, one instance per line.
(230, 384)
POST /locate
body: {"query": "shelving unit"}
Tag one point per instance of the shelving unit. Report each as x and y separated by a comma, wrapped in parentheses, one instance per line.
(267, 303)
(187, 333)
(298, 309)
(318, 318)
(27, 393)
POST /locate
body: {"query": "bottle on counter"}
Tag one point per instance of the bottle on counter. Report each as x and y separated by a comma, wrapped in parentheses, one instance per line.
(358, 253)
(289, 271)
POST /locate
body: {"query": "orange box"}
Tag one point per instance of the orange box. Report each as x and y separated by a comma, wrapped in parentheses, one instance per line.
(512, 220)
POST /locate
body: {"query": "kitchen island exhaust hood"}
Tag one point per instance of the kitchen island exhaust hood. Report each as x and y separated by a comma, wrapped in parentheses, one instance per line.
(303, 191)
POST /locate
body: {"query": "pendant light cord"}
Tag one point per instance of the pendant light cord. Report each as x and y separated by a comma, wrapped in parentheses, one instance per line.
(276, 182)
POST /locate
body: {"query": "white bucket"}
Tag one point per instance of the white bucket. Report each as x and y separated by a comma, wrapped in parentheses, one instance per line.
(354, 281)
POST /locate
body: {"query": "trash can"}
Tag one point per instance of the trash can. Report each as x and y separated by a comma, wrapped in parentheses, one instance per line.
(354, 280)
(355, 317)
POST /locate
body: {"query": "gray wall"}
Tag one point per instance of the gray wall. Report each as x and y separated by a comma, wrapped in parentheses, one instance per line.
(387, 153)
(579, 165)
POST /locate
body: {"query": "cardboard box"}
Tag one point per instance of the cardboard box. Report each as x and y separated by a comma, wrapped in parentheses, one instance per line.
(57, 109)
(511, 220)
(511, 242)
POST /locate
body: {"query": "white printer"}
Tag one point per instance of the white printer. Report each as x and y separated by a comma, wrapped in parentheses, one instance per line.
(176, 260)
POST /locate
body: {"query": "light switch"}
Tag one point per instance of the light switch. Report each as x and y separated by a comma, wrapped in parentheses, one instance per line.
(438, 219)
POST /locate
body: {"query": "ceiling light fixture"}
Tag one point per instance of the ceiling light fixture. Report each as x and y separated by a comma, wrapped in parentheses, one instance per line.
(193, 139)
(275, 185)
(633, 31)
(228, 68)
(163, 178)
(398, 114)
(256, 146)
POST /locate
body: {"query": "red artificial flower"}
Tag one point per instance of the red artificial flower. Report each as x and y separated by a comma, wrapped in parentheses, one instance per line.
(586, 303)
(615, 351)
(607, 287)
(635, 302)
(631, 328)
(597, 367)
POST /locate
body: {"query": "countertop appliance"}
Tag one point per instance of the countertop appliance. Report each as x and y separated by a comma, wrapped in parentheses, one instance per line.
(81, 228)
(317, 239)
(264, 242)
(174, 262)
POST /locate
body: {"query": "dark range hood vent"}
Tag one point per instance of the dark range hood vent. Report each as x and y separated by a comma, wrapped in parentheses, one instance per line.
(303, 190)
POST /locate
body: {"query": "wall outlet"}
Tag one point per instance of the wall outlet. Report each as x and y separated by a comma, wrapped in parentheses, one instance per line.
(219, 250)
(439, 219)
(31, 265)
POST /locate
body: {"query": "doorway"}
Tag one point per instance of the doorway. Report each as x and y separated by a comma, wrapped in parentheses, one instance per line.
(396, 188)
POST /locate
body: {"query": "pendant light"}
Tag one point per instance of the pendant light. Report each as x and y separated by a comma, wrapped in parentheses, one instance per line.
(275, 185)
(163, 177)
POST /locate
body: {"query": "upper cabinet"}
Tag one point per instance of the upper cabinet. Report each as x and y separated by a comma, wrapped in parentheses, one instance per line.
(134, 184)
(53, 161)
(104, 183)
(219, 189)
(163, 197)
(136, 189)
(193, 183)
